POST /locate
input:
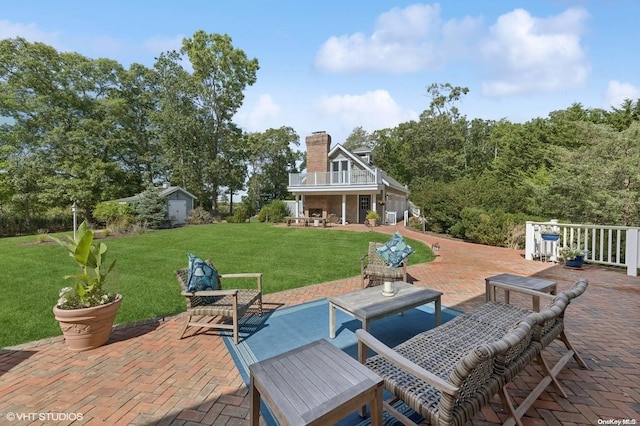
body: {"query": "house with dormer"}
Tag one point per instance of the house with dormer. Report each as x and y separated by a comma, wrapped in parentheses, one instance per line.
(344, 183)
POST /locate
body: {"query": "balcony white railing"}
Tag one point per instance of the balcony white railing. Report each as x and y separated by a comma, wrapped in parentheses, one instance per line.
(605, 245)
(354, 177)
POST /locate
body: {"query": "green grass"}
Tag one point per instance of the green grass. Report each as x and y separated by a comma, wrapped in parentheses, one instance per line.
(288, 258)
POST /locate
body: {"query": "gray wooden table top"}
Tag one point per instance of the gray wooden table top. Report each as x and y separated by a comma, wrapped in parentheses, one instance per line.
(307, 383)
(370, 303)
(519, 281)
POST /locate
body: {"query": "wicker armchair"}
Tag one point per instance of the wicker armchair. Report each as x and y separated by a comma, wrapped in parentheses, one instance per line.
(232, 303)
(374, 270)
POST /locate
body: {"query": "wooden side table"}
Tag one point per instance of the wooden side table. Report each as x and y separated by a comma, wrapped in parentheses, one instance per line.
(316, 384)
(509, 282)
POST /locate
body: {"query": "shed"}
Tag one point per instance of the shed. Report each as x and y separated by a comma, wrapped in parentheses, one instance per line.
(180, 202)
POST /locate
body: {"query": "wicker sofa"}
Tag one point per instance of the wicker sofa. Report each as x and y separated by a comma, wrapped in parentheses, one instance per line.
(447, 374)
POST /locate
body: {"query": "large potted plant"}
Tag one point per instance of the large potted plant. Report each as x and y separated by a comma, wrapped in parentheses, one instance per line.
(573, 257)
(86, 311)
(372, 217)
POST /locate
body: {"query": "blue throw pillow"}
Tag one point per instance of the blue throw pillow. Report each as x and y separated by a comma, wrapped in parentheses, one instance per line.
(395, 251)
(201, 276)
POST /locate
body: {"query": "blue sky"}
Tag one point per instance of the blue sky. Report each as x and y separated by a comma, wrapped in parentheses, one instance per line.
(338, 64)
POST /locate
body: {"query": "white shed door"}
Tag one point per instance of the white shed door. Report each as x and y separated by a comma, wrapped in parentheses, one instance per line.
(178, 211)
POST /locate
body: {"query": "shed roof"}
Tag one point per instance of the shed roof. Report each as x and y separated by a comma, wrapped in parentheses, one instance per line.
(164, 193)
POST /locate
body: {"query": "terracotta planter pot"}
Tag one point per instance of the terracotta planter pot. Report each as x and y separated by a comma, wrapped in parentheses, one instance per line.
(87, 328)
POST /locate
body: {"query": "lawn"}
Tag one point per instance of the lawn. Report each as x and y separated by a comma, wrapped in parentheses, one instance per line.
(287, 257)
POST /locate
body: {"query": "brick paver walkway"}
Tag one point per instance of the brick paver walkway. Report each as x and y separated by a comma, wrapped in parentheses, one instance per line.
(145, 376)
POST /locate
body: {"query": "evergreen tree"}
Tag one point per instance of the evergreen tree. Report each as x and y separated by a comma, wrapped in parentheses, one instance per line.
(152, 209)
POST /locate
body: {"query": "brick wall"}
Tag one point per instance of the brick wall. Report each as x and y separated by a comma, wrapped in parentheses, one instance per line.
(316, 202)
(317, 152)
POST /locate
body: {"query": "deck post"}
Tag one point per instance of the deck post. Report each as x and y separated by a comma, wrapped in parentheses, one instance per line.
(632, 253)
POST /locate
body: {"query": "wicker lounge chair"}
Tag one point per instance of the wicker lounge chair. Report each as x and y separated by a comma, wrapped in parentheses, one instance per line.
(232, 303)
(374, 270)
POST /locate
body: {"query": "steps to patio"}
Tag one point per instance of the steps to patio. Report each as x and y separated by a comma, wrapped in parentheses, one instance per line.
(143, 375)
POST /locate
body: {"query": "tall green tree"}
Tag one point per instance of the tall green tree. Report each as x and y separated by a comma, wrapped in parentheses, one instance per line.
(623, 116)
(272, 157)
(63, 135)
(221, 74)
(139, 149)
(358, 138)
(600, 182)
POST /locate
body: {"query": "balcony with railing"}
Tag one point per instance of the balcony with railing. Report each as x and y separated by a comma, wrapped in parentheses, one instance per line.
(346, 178)
(605, 245)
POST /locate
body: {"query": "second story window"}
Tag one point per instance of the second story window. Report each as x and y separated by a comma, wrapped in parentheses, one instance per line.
(340, 171)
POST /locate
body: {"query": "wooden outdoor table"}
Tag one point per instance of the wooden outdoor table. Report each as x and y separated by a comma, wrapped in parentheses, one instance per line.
(516, 283)
(369, 304)
(316, 384)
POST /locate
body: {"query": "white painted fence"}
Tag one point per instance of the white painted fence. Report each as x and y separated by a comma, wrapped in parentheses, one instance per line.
(606, 245)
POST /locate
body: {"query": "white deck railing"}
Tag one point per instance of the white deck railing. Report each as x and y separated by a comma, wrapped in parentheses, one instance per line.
(355, 177)
(606, 245)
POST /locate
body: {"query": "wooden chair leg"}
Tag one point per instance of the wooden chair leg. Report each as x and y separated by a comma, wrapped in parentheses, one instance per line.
(547, 371)
(184, 328)
(236, 332)
(569, 346)
(507, 404)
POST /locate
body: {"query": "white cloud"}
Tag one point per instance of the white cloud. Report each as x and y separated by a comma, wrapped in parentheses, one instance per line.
(618, 92)
(535, 55)
(372, 110)
(405, 40)
(260, 116)
(29, 32)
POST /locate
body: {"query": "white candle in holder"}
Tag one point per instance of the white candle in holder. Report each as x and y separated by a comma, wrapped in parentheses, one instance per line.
(388, 287)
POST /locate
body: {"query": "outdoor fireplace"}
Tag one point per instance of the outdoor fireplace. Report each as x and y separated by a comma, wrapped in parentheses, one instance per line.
(315, 212)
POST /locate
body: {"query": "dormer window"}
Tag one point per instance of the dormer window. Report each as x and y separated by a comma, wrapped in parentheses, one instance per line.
(339, 171)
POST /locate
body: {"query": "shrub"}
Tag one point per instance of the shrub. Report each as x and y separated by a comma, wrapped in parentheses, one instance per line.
(42, 236)
(416, 223)
(274, 212)
(495, 228)
(239, 215)
(117, 216)
(515, 237)
(199, 216)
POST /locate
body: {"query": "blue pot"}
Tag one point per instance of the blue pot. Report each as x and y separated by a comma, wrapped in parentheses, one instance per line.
(574, 263)
(551, 237)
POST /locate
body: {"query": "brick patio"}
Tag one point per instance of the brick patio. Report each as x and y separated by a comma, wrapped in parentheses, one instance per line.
(145, 376)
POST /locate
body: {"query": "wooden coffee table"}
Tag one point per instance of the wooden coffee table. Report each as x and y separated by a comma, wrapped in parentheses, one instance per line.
(369, 304)
(316, 384)
(509, 283)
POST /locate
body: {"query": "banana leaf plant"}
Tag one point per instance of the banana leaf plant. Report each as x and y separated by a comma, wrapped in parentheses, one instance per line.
(87, 291)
